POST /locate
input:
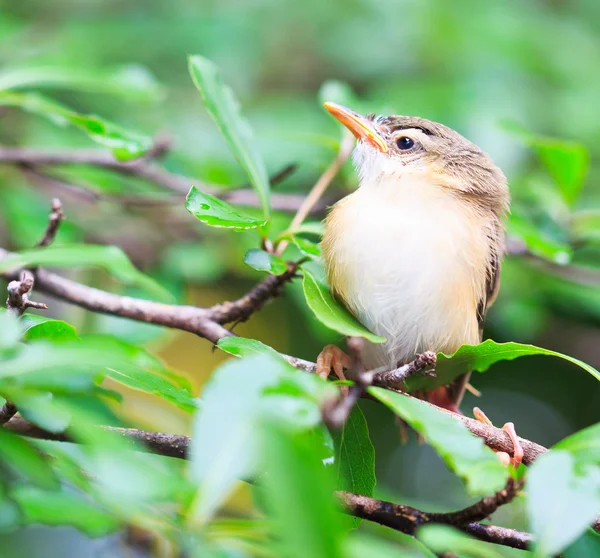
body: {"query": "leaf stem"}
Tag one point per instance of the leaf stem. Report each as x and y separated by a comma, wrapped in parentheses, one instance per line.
(346, 146)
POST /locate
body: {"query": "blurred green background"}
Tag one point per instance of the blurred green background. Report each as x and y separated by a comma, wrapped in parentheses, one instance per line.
(472, 65)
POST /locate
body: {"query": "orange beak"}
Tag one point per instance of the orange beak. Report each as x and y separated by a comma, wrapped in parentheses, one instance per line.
(362, 128)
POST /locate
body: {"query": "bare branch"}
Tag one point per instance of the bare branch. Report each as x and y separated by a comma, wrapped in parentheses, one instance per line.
(242, 308)
(401, 374)
(408, 519)
(56, 216)
(34, 162)
(7, 412)
(18, 294)
(483, 508)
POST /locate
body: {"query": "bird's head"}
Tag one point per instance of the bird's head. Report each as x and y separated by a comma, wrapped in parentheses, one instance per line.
(394, 147)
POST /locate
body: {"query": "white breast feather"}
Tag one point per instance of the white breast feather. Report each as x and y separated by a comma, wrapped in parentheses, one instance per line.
(410, 262)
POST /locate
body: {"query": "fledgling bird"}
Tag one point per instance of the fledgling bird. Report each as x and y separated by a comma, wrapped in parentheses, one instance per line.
(414, 253)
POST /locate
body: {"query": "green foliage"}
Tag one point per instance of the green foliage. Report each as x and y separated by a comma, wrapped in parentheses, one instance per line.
(259, 419)
(307, 247)
(263, 261)
(566, 161)
(217, 213)
(242, 347)
(222, 105)
(110, 258)
(354, 457)
(332, 313)
(125, 145)
(315, 527)
(480, 357)
(441, 539)
(564, 479)
(465, 454)
(240, 396)
(557, 485)
(131, 81)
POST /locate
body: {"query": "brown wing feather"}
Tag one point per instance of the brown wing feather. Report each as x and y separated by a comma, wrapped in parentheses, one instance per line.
(456, 389)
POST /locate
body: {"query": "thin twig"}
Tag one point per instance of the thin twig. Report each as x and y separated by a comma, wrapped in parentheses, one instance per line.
(399, 375)
(402, 518)
(18, 294)
(483, 508)
(7, 412)
(34, 162)
(320, 186)
(56, 216)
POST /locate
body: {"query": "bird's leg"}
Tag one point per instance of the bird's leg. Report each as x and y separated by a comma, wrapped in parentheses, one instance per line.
(509, 428)
(333, 358)
(441, 398)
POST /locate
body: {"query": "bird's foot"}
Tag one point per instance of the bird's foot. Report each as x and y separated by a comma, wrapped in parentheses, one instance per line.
(333, 358)
(509, 428)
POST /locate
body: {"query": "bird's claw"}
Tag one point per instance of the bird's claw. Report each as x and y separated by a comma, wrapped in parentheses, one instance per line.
(333, 358)
(509, 428)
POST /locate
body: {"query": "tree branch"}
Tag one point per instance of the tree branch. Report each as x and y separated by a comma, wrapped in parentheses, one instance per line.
(35, 161)
(408, 519)
(200, 321)
(399, 517)
(394, 377)
(56, 216)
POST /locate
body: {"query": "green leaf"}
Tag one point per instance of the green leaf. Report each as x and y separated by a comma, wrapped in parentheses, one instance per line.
(538, 241)
(222, 105)
(332, 313)
(70, 365)
(309, 227)
(566, 161)
(480, 357)
(144, 372)
(586, 546)
(40, 407)
(64, 508)
(227, 437)
(217, 213)
(464, 453)
(124, 144)
(153, 383)
(306, 521)
(10, 329)
(110, 258)
(10, 515)
(354, 459)
(564, 499)
(584, 445)
(363, 545)
(242, 347)
(585, 226)
(38, 328)
(263, 261)
(131, 81)
(442, 538)
(19, 455)
(307, 247)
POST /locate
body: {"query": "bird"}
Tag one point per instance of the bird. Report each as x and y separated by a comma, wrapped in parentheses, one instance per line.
(414, 253)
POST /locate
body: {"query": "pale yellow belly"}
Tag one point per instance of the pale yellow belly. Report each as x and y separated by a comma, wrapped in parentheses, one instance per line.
(411, 267)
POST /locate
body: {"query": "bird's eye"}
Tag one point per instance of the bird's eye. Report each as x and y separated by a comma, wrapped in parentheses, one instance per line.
(404, 143)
